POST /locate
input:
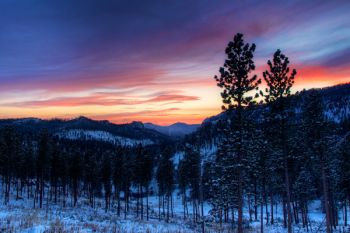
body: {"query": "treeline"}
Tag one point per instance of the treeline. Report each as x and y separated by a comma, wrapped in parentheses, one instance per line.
(49, 170)
(282, 155)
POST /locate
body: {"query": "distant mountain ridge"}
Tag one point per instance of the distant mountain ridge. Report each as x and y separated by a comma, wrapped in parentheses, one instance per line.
(83, 128)
(178, 129)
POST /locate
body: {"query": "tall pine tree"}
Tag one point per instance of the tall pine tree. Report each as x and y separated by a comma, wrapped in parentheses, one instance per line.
(237, 82)
(279, 82)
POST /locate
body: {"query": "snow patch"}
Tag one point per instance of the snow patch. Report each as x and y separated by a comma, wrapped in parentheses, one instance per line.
(78, 134)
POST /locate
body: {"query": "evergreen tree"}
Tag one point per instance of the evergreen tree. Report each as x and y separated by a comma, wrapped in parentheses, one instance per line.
(127, 174)
(344, 173)
(315, 128)
(118, 175)
(236, 82)
(147, 173)
(54, 168)
(189, 174)
(106, 179)
(165, 179)
(75, 175)
(279, 82)
(182, 177)
(91, 175)
(9, 153)
(43, 164)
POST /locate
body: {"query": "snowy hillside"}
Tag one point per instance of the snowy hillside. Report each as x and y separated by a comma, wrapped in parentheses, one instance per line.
(88, 129)
(338, 111)
(336, 100)
(78, 134)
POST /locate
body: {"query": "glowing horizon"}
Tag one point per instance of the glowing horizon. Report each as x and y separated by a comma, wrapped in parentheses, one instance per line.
(155, 61)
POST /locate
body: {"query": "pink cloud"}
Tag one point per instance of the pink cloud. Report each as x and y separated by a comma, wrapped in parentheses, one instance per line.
(104, 99)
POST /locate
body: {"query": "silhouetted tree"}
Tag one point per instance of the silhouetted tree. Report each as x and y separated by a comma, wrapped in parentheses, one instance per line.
(237, 83)
(165, 179)
(118, 175)
(106, 179)
(42, 164)
(279, 82)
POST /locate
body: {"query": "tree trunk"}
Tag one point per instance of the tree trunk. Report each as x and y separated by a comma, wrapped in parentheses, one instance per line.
(271, 201)
(147, 203)
(163, 205)
(261, 218)
(184, 203)
(171, 205)
(345, 214)
(118, 200)
(159, 204)
(295, 212)
(168, 202)
(125, 203)
(138, 201)
(255, 201)
(41, 192)
(249, 209)
(141, 203)
(284, 213)
(239, 170)
(55, 193)
(265, 202)
(289, 210)
(326, 201)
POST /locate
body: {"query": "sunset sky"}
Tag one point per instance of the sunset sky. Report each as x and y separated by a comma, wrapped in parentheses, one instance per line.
(154, 61)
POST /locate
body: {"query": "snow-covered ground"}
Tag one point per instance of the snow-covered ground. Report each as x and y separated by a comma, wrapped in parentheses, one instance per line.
(19, 216)
(75, 134)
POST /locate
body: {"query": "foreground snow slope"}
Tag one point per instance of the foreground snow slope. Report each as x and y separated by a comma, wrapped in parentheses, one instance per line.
(19, 216)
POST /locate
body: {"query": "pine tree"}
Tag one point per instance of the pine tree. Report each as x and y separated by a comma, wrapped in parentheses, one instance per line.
(91, 175)
(43, 164)
(165, 179)
(344, 172)
(75, 175)
(64, 175)
(143, 174)
(147, 173)
(236, 82)
(127, 174)
(190, 178)
(106, 179)
(315, 128)
(279, 82)
(118, 175)
(54, 168)
(9, 153)
(182, 176)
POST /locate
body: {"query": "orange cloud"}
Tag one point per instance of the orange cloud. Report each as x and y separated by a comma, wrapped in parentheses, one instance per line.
(103, 99)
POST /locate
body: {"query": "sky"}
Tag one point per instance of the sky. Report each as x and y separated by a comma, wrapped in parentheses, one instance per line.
(154, 61)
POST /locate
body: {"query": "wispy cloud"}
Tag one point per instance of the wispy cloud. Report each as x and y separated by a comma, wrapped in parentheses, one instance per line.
(103, 99)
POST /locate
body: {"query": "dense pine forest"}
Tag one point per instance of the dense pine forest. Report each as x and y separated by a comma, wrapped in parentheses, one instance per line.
(270, 149)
